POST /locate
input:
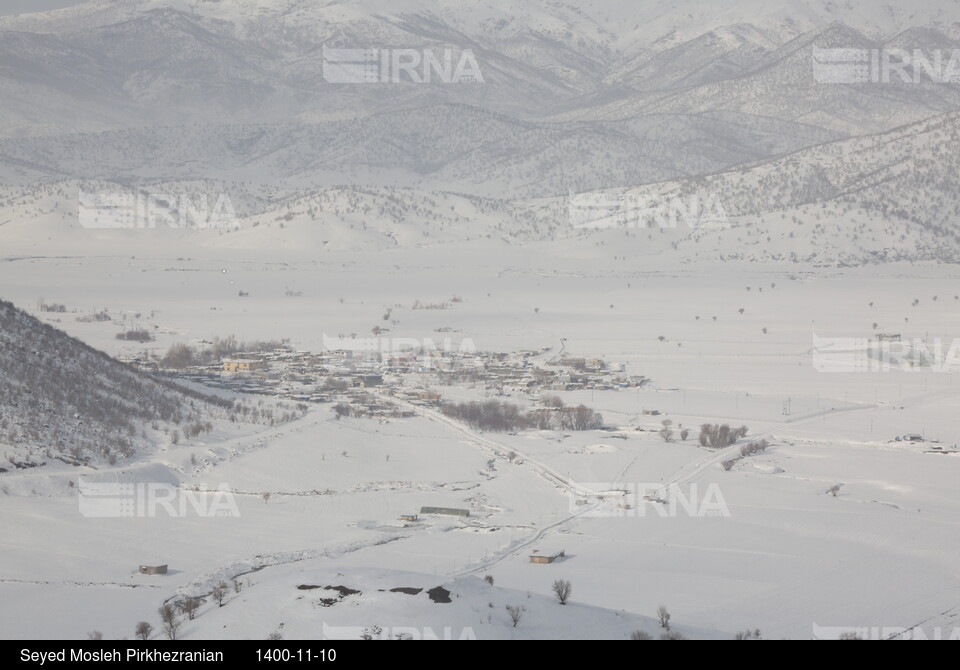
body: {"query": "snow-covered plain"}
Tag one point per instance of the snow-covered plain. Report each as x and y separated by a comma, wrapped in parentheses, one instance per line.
(788, 556)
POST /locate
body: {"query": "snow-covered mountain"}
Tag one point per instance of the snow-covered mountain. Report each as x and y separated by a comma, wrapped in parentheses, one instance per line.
(453, 147)
(154, 95)
(604, 20)
(875, 198)
(106, 64)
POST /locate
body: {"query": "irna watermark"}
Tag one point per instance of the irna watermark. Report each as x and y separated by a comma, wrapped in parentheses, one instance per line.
(154, 499)
(617, 499)
(406, 352)
(885, 353)
(155, 210)
(600, 210)
(884, 633)
(886, 66)
(393, 66)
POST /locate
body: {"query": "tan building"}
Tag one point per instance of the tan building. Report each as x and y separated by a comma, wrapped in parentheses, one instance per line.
(537, 557)
(243, 364)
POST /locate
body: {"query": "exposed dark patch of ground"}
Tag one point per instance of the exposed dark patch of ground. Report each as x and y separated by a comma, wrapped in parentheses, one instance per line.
(438, 594)
(409, 590)
(342, 590)
(25, 465)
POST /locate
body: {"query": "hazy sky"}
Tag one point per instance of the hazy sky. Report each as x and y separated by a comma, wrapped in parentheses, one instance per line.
(23, 6)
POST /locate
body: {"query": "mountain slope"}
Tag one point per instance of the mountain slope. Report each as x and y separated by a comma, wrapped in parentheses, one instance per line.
(62, 399)
(453, 147)
(104, 65)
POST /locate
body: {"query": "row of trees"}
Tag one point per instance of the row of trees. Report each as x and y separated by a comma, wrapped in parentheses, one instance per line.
(496, 416)
(138, 335)
(171, 614)
(747, 450)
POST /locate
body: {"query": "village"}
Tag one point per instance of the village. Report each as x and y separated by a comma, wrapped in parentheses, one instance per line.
(367, 380)
(364, 381)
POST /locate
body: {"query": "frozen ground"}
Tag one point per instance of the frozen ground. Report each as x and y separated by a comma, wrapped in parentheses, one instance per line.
(788, 556)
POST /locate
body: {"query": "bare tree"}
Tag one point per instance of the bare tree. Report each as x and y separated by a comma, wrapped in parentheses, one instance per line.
(640, 635)
(178, 356)
(488, 579)
(541, 419)
(516, 613)
(94, 635)
(266, 497)
(585, 418)
(219, 593)
(170, 621)
(672, 636)
(552, 401)
(562, 589)
(834, 490)
(753, 448)
(189, 606)
(663, 616)
(667, 432)
(143, 630)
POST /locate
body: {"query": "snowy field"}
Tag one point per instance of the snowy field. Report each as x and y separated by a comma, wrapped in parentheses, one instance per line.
(785, 557)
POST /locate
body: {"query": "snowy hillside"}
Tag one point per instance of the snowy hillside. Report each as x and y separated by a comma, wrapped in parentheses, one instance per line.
(64, 401)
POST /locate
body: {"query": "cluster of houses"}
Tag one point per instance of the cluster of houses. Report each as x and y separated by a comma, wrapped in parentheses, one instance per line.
(524, 372)
(346, 375)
